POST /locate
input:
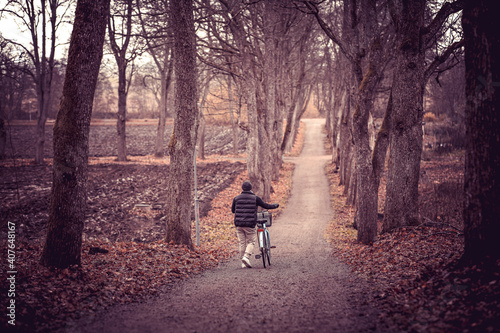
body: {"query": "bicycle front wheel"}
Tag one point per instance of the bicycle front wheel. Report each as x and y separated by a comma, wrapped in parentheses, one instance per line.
(268, 248)
(263, 253)
(262, 246)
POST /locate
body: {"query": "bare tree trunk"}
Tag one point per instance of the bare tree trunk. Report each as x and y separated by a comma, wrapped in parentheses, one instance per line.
(201, 137)
(273, 117)
(71, 132)
(160, 50)
(482, 174)
(335, 112)
(162, 117)
(286, 145)
(120, 54)
(365, 217)
(297, 92)
(401, 206)
(234, 124)
(334, 101)
(346, 148)
(346, 140)
(122, 114)
(262, 174)
(166, 78)
(39, 19)
(183, 139)
(351, 186)
(252, 93)
(40, 131)
(45, 69)
(410, 77)
(382, 143)
(202, 121)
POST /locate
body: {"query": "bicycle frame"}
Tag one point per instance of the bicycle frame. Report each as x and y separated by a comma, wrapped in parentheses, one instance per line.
(264, 244)
(261, 232)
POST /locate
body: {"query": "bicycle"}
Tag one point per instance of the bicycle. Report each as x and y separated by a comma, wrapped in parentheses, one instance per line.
(264, 220)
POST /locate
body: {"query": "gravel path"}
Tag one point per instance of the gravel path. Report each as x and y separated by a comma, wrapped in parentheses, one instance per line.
(305, 289)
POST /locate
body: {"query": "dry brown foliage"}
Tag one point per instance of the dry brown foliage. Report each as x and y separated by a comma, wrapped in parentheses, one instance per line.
(415, 271)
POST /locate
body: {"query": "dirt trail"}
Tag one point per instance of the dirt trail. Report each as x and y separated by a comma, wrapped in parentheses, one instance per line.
(306, 289)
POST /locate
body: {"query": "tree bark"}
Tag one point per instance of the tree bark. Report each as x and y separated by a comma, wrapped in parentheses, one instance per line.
(44, 69)
(156, 24)
(166, 78)
(366, 202)
(261, 175)
(409, 80)
(365, 218)
(297, 91)
(121, 118)
(183, 139)
(234, 124)
(71, 132)
(482, 174)
(345, 140)
(202, 121)
(120, 54)
(401, 206)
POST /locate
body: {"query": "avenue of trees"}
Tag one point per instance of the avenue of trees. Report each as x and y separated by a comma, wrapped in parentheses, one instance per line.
(358, 61)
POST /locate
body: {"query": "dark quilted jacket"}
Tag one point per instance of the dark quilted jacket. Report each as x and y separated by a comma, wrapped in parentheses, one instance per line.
(245, 209)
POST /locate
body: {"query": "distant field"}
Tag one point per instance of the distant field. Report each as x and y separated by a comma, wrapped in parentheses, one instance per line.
(96, 122)
(141, 136)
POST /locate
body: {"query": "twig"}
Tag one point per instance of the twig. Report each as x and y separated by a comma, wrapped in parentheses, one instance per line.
(441, 223)
(444, 233)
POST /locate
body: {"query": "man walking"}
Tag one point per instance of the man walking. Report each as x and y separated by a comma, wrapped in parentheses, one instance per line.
(244, 209)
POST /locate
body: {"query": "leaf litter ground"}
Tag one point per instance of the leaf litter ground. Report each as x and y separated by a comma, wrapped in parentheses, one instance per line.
(419, 286)
(124, 256)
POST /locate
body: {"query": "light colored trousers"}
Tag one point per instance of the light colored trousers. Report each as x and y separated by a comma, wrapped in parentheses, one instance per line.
(246, 237)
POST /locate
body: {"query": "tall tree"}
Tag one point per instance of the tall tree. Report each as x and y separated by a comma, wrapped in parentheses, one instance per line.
(482, 174)
(364, 45)
(71, 134)
(183, 139)
(41, 20)
(414, 37)
(157, 32)
(120, 35)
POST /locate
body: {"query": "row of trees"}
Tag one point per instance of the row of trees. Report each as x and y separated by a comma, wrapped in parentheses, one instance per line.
(273, 54)
(18, 90)
(399, 45)
(259, 49)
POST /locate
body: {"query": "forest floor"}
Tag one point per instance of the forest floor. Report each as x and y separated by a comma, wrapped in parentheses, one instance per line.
(305, 289)
(416, 280)
(420, 283)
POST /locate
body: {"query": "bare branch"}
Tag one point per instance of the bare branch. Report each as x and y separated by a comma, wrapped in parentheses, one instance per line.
(313, 8)
(442, 58)
(446, 10)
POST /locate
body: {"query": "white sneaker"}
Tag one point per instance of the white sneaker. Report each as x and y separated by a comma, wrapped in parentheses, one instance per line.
(246, 262)
(243, 265)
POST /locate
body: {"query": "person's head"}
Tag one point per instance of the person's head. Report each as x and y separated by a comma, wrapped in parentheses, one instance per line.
(246, 186)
